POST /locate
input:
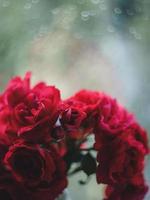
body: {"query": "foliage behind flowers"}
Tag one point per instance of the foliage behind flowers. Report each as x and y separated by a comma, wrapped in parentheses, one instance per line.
(41, 136)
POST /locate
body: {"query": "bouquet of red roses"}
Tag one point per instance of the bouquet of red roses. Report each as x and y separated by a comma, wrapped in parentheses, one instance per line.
(41, 136)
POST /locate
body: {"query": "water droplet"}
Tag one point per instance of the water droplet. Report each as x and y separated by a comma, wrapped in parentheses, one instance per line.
(95, 1)
(92, 13)
(110, 29)
(85, 15)
(85, 18)
(117, 11)
(27, 6)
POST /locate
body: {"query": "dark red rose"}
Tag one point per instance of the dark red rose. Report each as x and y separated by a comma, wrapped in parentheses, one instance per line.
(85, 109)
(4, 174)
(29, 164)
(139, 135)
(37, 129)
(37, 171)
(71, 119)
(88, 97)
(121, 160)
(113, 117)
(29, 113)
(89, 101)
(127, 192)
(7, 128)
(50, 97)
(113, 120)
(38, 113)
(4, 146)
(12, 190)
(29, 117)
(32, 164)
(16, 90)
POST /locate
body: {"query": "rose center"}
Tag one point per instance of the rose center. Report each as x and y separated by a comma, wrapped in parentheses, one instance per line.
(29, 166)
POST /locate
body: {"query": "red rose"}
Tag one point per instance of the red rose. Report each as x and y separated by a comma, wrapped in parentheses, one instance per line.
(39, 171)
(7, 127)
(24, 111)
(113, 117)
(85, 104)
(50, 98)
(4, 174)
(33, 165)
(121, 160)
(88, 97)
(29, 118)
(128, 192)
(38, 111)
(71, 119)
(37, 129)
(113, 120)
(3, 147)
(16, 90)
(140, 135)
(89, 101)
(14, 191)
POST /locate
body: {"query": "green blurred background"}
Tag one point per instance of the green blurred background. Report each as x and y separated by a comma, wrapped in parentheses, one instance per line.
(74, 44)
